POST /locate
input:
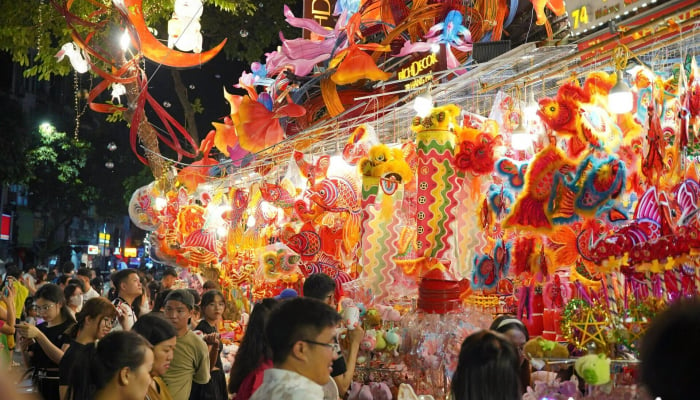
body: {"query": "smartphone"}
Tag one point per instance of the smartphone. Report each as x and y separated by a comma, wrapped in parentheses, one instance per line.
(6, 285)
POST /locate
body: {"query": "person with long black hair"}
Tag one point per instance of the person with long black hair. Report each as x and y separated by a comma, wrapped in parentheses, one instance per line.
(44, 341)
(254, 355)
(163, 337)
(212, 307)
(487, 369)
(515, 330)
(117, 367)
(94, 321)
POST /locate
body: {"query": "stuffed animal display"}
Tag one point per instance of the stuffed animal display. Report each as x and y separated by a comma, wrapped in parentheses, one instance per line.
(539, 347)
(594, 369)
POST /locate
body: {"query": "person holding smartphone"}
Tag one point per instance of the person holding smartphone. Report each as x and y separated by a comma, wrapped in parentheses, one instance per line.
(42, 344)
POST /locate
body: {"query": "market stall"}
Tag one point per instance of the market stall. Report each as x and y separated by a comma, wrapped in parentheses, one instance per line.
(554, 182)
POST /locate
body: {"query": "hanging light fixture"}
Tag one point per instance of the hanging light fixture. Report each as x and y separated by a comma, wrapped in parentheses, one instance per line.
(531, 106)
(520, 138)
(423, 104)
(620, 98)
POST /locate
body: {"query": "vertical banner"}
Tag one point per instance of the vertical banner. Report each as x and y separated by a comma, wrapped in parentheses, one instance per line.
(437, 182)
(379, 237)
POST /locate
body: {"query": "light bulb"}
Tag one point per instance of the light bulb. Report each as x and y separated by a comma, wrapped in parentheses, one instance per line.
(520, 138)
(161, 202)
(531, 106)
(222, 231)
(125, 40)
(251, 222)
(423, 104)
(620, 98)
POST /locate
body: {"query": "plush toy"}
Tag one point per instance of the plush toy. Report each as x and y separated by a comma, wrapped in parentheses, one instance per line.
(389, 313)
(594, 369)
(393, 340)
(380, 391)
(381, 342)
(365, 393)
(373, 319)
(369, 341)
(350, 313)
(539, 347)
(354, 391)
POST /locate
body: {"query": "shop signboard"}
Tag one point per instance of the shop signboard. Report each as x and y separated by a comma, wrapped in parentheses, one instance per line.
(320, 11)
(419, 69)
(93, 249)
(6, 227)
(586, 15)
(653, 32)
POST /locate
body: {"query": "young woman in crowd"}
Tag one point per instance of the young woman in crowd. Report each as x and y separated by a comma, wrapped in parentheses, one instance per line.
(41, 278)
(95, 320)
(142, 304)
(254, 355)
(45, 340)
(117, 367)
(487, 369)
(515, 330)
(74, 297)
(212, 307)
(163, 337)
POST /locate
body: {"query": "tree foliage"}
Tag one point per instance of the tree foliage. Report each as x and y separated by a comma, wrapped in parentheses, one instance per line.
(13, 142)
(33, 31)
(56, 167)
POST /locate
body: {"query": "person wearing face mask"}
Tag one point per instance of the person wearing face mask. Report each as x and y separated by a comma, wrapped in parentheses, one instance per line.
(163, 337)
(94, 321)
(74, 295)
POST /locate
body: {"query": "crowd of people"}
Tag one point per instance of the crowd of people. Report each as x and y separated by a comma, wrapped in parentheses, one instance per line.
(147, 339)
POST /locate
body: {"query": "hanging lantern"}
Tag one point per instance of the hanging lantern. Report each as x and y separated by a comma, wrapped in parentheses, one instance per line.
(184, 27)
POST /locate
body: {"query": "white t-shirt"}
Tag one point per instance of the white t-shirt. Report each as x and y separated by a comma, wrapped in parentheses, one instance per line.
(29, 282)
(281, 384)
(130, 315)
(90, 294)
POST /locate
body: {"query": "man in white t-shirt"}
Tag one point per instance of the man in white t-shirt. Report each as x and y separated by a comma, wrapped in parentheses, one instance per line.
(301, 333)
(29, 278)
(128, 287)
(84, 275)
